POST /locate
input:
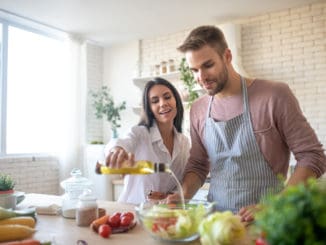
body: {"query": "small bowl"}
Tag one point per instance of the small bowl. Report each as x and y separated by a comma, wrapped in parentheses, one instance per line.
(173, 222)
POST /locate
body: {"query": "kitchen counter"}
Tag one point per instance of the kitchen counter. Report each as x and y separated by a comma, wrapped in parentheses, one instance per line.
(62, 231)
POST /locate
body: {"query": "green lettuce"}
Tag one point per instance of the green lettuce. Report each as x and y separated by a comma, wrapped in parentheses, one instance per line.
(221, 228)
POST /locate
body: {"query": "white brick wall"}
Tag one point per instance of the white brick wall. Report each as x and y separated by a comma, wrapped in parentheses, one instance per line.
(154, 51)
(33, 175)
(288, 46)
(94, 78)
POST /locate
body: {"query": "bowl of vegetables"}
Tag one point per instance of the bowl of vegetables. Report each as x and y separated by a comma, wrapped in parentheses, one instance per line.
(173, 222)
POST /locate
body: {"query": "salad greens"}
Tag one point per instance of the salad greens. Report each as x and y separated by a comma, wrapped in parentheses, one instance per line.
(171, 224)
(221, 228)
(295, 216)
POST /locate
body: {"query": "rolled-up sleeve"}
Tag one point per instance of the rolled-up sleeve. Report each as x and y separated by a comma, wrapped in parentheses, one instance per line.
(298, 134)
(198, 161)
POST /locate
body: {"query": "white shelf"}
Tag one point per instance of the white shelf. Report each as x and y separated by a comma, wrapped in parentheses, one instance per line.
(171, 77)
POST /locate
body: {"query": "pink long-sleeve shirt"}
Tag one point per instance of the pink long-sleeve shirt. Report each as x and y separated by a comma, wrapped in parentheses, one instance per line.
(279, 127)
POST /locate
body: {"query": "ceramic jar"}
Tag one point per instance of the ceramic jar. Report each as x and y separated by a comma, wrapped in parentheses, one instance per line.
(86, 210)
(8, 199)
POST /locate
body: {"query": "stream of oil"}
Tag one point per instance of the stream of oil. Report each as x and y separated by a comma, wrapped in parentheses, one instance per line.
(179, 187)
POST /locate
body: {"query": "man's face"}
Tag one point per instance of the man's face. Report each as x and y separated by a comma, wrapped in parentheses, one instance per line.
(209, 69)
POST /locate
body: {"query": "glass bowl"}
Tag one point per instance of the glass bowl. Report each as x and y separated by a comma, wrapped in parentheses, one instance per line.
(173, 222)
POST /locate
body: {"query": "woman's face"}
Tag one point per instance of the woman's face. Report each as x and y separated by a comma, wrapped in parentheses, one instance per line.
(163, 104)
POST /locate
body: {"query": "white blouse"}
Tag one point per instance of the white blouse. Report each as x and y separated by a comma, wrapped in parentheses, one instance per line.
(148, 145)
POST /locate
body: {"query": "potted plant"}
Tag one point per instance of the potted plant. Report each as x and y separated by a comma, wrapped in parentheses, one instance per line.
(105, 106)
(297, 215)
(7, 196)
(189, 81)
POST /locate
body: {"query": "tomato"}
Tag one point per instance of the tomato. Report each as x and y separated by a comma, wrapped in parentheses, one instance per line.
(130, 214)
(125, 220)
(155, 227)
(261, 241)
(114, 220)
(104, 230)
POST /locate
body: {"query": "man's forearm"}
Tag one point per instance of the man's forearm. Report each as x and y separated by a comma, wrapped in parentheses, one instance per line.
(300, 174)
(191, 184)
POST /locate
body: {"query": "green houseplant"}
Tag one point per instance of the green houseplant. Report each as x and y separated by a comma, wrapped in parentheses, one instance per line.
(7, 184)
(189, 81)
(105, 106)
(7, 193)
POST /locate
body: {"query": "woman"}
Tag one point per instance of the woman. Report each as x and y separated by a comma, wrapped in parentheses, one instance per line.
(158, 138)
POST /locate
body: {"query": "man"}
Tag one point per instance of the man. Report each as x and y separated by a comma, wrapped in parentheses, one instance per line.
(243, 130)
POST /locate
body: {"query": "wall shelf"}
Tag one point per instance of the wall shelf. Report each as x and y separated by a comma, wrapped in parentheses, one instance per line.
(171, 77)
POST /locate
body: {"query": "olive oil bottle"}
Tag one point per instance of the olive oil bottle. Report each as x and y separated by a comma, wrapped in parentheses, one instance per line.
(141, 167)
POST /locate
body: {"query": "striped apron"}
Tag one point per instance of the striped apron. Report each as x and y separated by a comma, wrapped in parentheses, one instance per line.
(240, 176)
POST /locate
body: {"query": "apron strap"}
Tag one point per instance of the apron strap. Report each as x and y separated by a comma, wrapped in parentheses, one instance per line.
(209, 106)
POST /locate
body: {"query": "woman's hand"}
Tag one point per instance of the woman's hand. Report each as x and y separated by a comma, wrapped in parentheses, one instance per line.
(118, 157)
(173, 198)
(156, 196)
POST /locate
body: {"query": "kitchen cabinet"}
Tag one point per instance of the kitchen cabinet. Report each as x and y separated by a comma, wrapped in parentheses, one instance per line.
(117, 188)
(102, 184)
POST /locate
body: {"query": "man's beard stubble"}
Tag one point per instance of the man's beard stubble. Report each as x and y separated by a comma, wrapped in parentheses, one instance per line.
(220, 81)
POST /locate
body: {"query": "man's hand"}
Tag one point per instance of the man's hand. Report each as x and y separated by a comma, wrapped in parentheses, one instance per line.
(247, 213)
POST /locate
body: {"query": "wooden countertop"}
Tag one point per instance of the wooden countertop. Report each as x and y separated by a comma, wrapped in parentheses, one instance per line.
(62, 231)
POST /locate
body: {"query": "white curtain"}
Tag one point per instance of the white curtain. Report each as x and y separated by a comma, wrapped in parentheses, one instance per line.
(70, 152)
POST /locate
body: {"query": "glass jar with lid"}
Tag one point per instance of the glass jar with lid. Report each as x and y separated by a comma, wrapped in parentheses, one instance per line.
(157, 69)
(163, 67)
(171, 66)
(74, 187)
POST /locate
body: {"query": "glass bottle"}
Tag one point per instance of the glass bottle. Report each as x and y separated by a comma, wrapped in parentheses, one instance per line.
(141, 167)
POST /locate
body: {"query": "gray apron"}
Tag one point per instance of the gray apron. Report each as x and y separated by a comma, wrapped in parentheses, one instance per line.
(240, 176)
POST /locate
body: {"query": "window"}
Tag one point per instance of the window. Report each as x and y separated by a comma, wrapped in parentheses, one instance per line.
(34, 80)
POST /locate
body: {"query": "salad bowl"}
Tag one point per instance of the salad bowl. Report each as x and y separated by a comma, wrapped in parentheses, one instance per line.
(173, 222)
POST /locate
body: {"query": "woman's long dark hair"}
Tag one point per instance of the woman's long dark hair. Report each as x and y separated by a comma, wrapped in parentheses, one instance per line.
(147, 117)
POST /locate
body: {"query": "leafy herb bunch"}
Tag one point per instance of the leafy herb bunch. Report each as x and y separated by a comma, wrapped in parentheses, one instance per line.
(295, 216)
(6, 182)
(189, 81)
(105, 106)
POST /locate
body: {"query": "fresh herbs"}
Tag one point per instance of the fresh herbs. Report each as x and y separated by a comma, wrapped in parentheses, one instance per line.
(295, 216)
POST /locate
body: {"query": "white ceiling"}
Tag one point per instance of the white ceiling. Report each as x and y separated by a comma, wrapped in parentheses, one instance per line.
(111, 21)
